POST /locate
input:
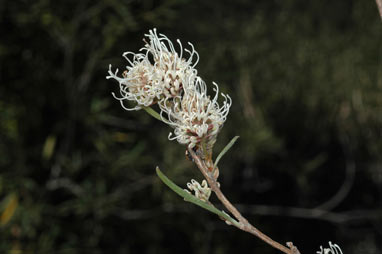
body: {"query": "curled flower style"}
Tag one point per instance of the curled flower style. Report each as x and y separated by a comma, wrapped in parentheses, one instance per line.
(333, 249)
(201, 191)
(157, 73)
(173, 67)
(139, 84)
(196, 117)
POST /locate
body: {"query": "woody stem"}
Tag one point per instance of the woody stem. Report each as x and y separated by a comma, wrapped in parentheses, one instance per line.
(243, 222)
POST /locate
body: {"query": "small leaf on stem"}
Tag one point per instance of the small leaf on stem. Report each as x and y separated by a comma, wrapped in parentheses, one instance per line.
(153, 113)
(226, 148)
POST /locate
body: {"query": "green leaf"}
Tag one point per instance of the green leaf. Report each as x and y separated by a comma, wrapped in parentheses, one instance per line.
(153, 113)
(226, 148)
(191, 198)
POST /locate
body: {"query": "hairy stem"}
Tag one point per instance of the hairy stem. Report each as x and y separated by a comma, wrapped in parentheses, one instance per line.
(243, 222)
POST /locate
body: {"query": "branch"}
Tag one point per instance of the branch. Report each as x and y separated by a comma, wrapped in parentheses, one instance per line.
(311, 213)
(379, 5)
(243, 222)
(349, 178)
(351, 216)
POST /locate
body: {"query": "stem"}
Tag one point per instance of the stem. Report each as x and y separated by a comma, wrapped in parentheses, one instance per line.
(243, 222)
(379, 5)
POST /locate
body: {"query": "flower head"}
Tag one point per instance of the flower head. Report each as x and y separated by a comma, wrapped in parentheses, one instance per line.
(158, 72)
(195, 116)
(333, 249)
(201, 191)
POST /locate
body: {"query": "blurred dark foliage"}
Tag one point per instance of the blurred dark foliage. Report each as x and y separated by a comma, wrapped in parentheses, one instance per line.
(77, 172)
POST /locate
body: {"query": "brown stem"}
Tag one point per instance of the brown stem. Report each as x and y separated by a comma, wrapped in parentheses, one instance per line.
(379, 5)
(244, 224)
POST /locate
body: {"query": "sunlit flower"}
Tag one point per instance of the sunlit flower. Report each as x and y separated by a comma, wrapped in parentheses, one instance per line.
(196, 117)
(157, 73)
(333, 249)
(201, 191)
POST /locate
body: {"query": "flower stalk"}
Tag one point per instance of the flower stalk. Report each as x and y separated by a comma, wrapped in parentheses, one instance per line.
(243, 222)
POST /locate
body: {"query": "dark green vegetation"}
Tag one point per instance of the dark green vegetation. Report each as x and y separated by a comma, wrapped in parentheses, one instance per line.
(77, 173)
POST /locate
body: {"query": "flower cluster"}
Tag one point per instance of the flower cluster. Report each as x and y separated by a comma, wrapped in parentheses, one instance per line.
(201, 191)
(196, 117)
(333, 249)
(160, 75)
(155, 74)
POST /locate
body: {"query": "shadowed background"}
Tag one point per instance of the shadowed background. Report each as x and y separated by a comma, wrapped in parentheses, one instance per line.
(77, 172)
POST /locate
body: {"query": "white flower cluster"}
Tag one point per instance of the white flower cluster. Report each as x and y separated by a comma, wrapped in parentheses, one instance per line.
(201, 191)
(333, 249)
(196, 116)
(161, 75)
(155, 74)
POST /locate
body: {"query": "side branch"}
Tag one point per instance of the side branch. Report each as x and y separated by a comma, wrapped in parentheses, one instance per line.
(243, 222)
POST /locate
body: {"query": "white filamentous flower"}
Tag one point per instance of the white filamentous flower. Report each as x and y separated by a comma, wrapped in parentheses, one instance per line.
(201, 191)
(195, 116)
(160, 74)
(333, 249)
(173, 67)
(157, 73)
(139, 83)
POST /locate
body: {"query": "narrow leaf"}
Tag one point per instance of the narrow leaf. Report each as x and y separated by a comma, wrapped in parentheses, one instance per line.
(226, 148)
(153, 113)
(191, 198)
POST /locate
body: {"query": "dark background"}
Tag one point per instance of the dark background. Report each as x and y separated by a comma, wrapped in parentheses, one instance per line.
(77, 172)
